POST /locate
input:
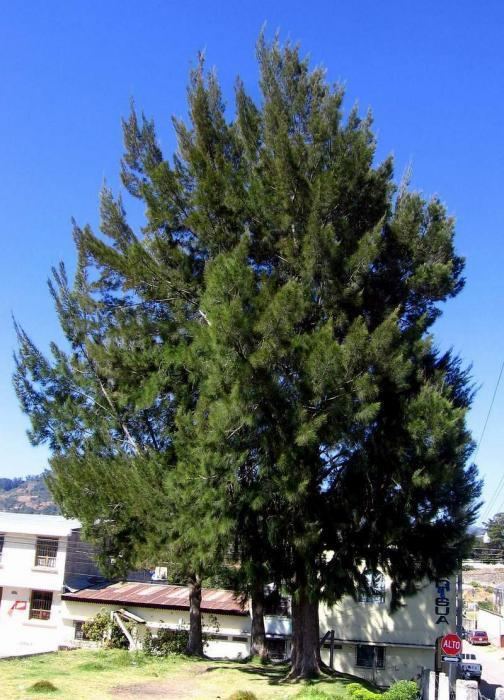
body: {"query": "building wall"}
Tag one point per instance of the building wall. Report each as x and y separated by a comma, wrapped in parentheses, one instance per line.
(221, 628)
(80, 560)
(416, 622)
(409, 635)
(493, 624)
(17, 566)
(401, 663)
(18, 632)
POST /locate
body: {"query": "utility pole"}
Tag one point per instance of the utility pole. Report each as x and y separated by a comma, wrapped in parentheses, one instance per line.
(459, 603)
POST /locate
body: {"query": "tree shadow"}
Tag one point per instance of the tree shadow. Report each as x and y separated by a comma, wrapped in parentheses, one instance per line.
(488, 689)
(276, 673)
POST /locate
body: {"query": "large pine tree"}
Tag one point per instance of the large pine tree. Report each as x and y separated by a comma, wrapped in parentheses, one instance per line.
(258, 362)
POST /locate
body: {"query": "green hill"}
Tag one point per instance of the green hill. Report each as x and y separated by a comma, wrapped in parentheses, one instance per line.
(29, 495)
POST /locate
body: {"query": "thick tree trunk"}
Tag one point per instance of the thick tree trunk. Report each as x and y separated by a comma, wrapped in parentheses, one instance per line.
(195, 642)
(305, 656)
(258, 633)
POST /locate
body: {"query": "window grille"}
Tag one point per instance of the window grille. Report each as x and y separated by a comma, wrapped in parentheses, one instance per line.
(79, 630)
(374, 589)
(40, 605)
(2, 538)
(369, 656)
(46, 551)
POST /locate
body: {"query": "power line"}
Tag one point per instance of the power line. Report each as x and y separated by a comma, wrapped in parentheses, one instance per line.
(489, 410)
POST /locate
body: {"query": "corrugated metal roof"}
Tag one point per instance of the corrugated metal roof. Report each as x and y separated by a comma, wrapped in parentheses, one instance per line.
(155, 595)
(37, 524)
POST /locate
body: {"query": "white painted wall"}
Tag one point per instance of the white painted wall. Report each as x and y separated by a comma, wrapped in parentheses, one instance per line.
(221, 645)
(19, 634)
(414, 623)
(493, 625)
(17, 566)
(401, 663)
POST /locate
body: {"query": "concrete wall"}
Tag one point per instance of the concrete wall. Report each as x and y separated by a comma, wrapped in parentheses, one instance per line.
(17, 567)
(417, 622)
(400, 663)
(221, 643)
(18, 632)
(493, 625)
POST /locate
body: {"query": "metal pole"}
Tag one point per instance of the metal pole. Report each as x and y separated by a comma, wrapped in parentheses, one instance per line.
(458, 613)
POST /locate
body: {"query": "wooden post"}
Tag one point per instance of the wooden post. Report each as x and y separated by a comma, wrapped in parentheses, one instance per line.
(432, 686)
(443, 687)
(331, 652)
(425, 684)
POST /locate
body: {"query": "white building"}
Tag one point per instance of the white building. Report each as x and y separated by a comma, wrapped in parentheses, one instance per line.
(49, 586)
(33, 551)
(372, 642)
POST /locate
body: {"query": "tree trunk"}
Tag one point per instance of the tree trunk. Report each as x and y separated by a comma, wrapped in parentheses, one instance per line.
(305, 656)
(195, 642)
(258, 633)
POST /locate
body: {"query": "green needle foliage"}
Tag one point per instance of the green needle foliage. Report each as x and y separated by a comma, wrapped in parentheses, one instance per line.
(254, 372)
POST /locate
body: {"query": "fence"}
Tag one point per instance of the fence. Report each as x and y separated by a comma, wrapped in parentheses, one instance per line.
(436, 686)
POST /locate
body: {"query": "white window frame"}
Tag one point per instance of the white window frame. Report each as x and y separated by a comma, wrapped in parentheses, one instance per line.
(44, 605)
(46, 552)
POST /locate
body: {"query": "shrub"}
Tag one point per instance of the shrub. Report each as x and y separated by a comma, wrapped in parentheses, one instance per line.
(102, 629)
(358, 692)
(315, 694)
(43, 687)
(165, 642)
(402, 690)
(243, 695)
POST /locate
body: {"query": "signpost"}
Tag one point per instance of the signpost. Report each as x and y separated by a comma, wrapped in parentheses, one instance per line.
(451, 645)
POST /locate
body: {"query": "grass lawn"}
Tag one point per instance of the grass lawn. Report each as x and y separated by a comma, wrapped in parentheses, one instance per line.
(99, 675)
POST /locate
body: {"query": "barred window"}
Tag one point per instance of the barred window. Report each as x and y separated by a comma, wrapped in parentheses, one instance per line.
(2, 538)
(46, 551)
(374, 589)
(40, 605)
(79, 630)
(369, 656)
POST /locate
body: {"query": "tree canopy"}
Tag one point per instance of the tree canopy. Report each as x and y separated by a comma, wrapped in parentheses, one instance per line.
(254, 371)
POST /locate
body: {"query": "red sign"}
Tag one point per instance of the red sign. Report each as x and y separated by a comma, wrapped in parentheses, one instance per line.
(451, 645)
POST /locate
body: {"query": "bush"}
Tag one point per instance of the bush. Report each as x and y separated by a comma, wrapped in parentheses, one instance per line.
(102, 629)
(358, 692)
(165, 642)
(315, 694)
(402, 690)
(243, 695)
(43, 687)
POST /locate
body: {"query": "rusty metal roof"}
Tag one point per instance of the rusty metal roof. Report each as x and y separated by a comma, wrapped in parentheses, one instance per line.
(155, 595)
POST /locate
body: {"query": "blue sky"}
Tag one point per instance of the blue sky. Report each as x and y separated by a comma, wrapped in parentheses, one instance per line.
(432, 72)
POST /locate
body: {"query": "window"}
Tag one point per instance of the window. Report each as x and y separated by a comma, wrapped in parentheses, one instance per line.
(79, 630)
(2, 538)
(40, 605)
(46, 550)
(276, 647)
(373, 591)
(239, 639)
(369, 656)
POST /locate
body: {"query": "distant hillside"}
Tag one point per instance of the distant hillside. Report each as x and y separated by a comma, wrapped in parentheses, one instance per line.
(28, 495)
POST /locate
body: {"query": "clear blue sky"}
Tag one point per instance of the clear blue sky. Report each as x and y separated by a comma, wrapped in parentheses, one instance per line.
(432, 71)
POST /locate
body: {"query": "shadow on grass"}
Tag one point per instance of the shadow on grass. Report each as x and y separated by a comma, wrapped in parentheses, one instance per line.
(275, 674)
